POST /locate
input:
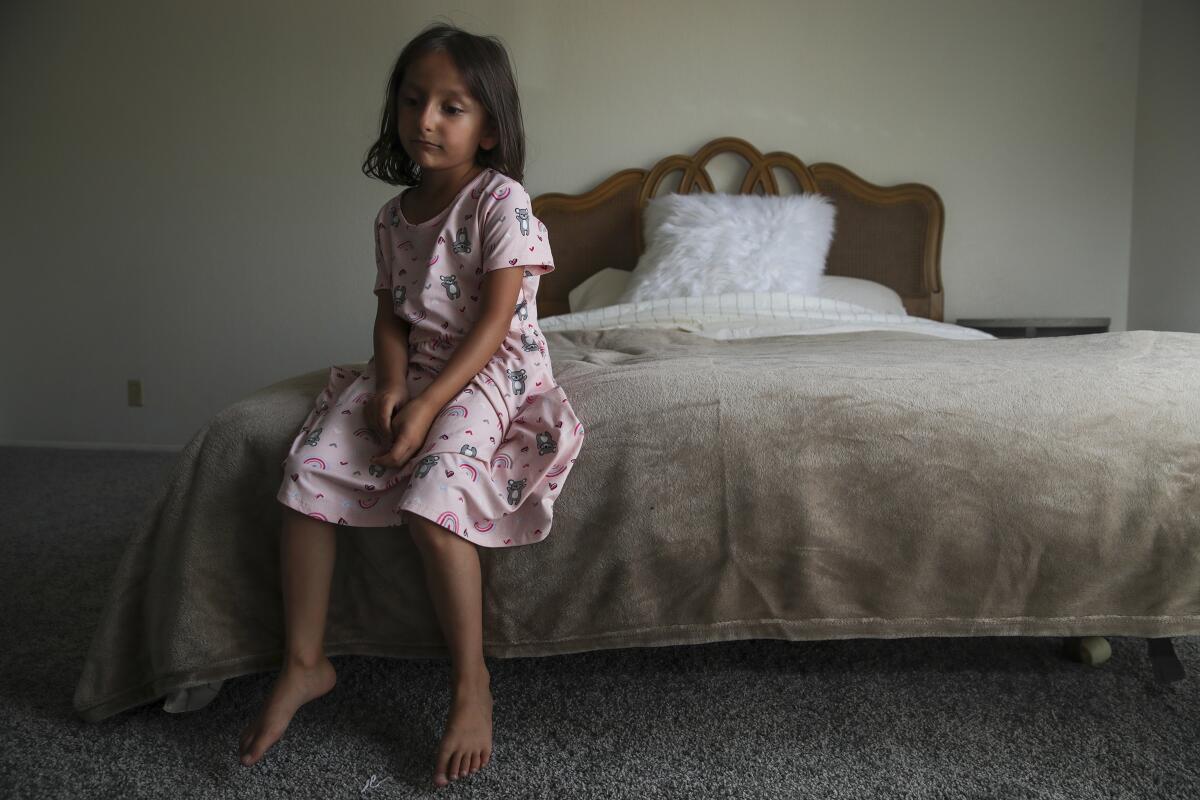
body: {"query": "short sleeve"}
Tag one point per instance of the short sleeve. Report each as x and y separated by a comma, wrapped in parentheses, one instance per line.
(383, 270)
(512, 235)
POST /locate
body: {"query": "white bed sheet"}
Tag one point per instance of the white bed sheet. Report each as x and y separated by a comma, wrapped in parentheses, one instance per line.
(746, 315)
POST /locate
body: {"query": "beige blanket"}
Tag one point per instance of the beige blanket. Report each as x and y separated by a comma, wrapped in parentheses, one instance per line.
(868, 484)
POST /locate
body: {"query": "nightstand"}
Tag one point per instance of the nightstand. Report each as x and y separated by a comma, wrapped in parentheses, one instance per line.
(1031, 327)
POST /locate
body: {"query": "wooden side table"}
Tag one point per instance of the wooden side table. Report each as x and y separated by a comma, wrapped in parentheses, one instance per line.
(1031, 327)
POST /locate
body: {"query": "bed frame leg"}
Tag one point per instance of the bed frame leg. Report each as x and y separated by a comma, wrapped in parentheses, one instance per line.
(1167, 667)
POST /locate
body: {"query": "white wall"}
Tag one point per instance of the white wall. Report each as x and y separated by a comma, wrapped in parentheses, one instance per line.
(183, 202)
(1164, 279)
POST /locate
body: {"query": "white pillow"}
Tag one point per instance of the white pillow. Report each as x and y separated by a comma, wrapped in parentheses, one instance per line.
(600, 289)
(714, 243)
(605, 288)
(863, 292)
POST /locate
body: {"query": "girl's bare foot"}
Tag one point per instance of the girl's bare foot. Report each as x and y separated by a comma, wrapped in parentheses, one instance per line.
(467, 743)
(295, 686)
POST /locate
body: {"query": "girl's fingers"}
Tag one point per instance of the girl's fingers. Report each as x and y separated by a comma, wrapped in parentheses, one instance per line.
(371, 417)
(394, 457)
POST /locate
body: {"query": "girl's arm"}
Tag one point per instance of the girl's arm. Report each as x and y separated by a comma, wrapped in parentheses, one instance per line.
(391, 346)
(500, 290)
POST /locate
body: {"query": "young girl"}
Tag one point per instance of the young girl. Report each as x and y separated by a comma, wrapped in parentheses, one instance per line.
(455, 428)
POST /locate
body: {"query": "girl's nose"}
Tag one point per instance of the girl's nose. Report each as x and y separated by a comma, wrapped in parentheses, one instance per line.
(427, 116)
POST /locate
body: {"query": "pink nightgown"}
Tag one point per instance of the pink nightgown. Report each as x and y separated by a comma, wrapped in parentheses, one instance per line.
(499, 452)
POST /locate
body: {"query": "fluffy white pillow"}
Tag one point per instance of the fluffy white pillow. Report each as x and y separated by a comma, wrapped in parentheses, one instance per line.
(713, 243)
(605, 288)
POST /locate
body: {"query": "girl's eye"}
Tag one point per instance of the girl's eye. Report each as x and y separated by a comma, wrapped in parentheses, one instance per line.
(411, 101)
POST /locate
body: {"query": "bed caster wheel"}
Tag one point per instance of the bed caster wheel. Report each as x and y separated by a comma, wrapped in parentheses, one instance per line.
(1090, 650)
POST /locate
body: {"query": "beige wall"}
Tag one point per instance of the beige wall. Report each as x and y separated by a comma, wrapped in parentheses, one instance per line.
(183, 201)
(1164, 276)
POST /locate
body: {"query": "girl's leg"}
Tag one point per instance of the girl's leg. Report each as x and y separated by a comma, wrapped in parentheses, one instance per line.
(307, 550)
(453, 576)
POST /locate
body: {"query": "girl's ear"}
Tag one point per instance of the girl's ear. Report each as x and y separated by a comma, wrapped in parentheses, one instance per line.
(490, 137)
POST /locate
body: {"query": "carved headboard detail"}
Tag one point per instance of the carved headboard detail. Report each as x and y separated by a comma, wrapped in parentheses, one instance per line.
(888, 234)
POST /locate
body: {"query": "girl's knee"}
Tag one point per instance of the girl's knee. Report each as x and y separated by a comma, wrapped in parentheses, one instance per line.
(416, 524)
(425, 531)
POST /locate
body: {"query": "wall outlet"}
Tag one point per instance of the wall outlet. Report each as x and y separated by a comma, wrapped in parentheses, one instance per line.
(135, 392)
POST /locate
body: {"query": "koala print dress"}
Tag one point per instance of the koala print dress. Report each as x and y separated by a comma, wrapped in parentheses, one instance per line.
(498, 454)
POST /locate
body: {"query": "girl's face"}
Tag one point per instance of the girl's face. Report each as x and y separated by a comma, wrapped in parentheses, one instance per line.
(435, 106)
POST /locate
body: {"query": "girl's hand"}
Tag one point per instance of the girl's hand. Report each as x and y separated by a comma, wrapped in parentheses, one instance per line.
(409, 428)
(378, 411)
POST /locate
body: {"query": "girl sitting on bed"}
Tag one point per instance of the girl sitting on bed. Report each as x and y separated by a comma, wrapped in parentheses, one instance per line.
(456, 428)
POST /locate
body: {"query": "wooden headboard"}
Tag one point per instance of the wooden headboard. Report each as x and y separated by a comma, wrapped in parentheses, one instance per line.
(888, 234)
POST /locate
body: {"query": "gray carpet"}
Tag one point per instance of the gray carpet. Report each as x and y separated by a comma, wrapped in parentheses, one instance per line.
(1002, 717)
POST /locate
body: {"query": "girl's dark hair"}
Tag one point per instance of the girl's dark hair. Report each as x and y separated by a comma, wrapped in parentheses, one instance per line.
(485, 67)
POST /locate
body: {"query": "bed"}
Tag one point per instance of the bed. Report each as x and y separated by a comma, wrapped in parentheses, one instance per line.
(761, 469)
